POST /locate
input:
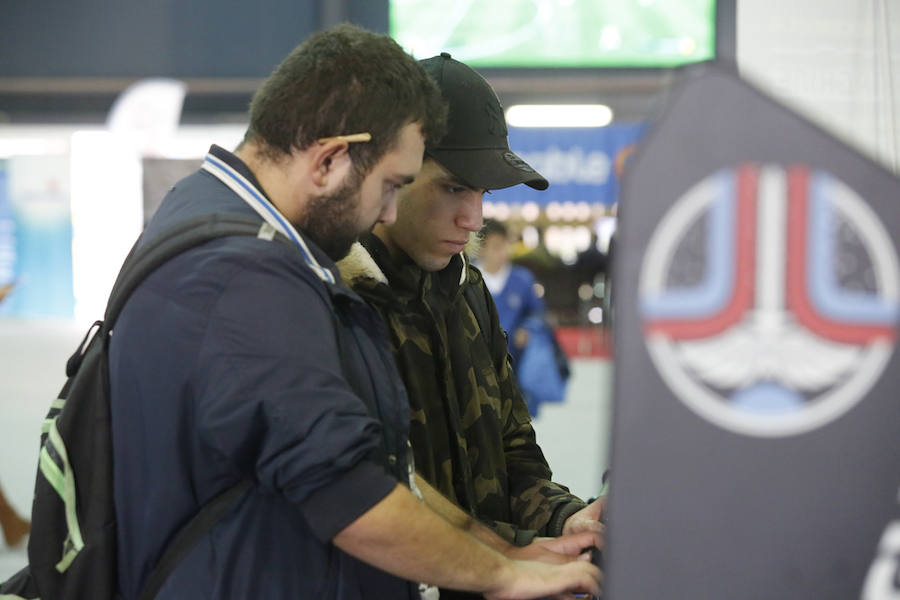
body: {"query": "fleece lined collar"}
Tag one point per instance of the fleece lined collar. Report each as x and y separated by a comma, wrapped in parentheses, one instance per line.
(369, 267)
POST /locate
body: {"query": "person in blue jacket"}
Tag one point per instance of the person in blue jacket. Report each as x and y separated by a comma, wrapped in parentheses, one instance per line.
(246, 358)
(542, 368)
(511, 286)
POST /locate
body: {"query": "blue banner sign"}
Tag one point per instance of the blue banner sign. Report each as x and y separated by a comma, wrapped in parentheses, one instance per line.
(582, 164)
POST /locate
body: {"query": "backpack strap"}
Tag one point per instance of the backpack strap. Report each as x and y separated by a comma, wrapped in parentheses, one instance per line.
(211, 513)
(144, 259)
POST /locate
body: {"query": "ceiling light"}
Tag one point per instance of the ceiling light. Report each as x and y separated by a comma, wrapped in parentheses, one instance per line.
(559, 115)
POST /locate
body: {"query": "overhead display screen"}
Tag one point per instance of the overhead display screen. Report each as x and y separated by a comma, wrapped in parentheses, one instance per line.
(558, 33)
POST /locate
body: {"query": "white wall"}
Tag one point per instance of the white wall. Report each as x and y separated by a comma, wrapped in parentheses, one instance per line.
(835, 61)
(33, 358)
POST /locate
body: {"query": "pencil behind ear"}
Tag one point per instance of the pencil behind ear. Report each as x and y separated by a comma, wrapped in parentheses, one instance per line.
(330, 161)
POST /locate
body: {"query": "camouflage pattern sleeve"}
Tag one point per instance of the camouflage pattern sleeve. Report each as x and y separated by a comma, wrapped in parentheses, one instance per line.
(536, 503)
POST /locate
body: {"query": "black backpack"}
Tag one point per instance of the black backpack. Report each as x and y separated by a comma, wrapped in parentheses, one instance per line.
(72, 547)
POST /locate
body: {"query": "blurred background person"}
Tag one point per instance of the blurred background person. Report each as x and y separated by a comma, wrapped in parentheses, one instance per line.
(590, 262)
(542, 368)
(538, 258)
(512, 286)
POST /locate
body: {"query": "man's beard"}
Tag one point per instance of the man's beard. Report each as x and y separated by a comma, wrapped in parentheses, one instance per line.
(331, 220)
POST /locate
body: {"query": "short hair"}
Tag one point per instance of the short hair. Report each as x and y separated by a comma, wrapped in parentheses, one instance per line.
(340, 81)
(492, 226)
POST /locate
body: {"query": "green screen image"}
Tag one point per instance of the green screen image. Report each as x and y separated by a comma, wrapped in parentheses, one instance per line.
(558, 33)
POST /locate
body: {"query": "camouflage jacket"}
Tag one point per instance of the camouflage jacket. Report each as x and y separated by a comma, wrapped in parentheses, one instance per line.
(470, 429)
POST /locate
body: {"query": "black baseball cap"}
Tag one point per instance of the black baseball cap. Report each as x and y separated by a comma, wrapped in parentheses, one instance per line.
(475, 148)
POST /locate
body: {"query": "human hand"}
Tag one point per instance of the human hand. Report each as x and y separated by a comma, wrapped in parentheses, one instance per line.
(559, 550)
(528, 579)
(588, 518)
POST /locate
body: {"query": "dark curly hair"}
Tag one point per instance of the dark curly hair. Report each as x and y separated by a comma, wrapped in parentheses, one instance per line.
(340, 81)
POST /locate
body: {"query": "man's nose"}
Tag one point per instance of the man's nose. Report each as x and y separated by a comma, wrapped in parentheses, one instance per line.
(389, 213)
(470, 215)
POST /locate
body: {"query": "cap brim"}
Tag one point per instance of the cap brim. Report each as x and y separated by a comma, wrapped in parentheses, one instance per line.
(489, 169)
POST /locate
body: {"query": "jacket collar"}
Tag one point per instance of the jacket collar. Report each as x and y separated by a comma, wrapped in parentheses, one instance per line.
(232, 171)
(359, 265)
(370, 267)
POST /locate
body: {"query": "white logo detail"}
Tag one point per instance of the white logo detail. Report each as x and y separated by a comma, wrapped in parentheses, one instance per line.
(882, 581)
(748, 361)
(763, 348)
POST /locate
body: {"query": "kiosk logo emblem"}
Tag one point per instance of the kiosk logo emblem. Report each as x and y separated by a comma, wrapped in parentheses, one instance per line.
(769, 297)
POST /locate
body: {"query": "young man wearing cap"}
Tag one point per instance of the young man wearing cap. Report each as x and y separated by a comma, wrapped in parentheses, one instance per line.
(470, 428)
(246, 359)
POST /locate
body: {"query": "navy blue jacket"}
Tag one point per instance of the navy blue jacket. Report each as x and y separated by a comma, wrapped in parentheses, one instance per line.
(224, 365)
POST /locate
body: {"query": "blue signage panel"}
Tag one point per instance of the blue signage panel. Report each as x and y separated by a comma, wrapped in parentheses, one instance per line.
(582, 164)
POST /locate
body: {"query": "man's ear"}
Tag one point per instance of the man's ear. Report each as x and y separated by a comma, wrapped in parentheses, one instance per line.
(330, 163)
